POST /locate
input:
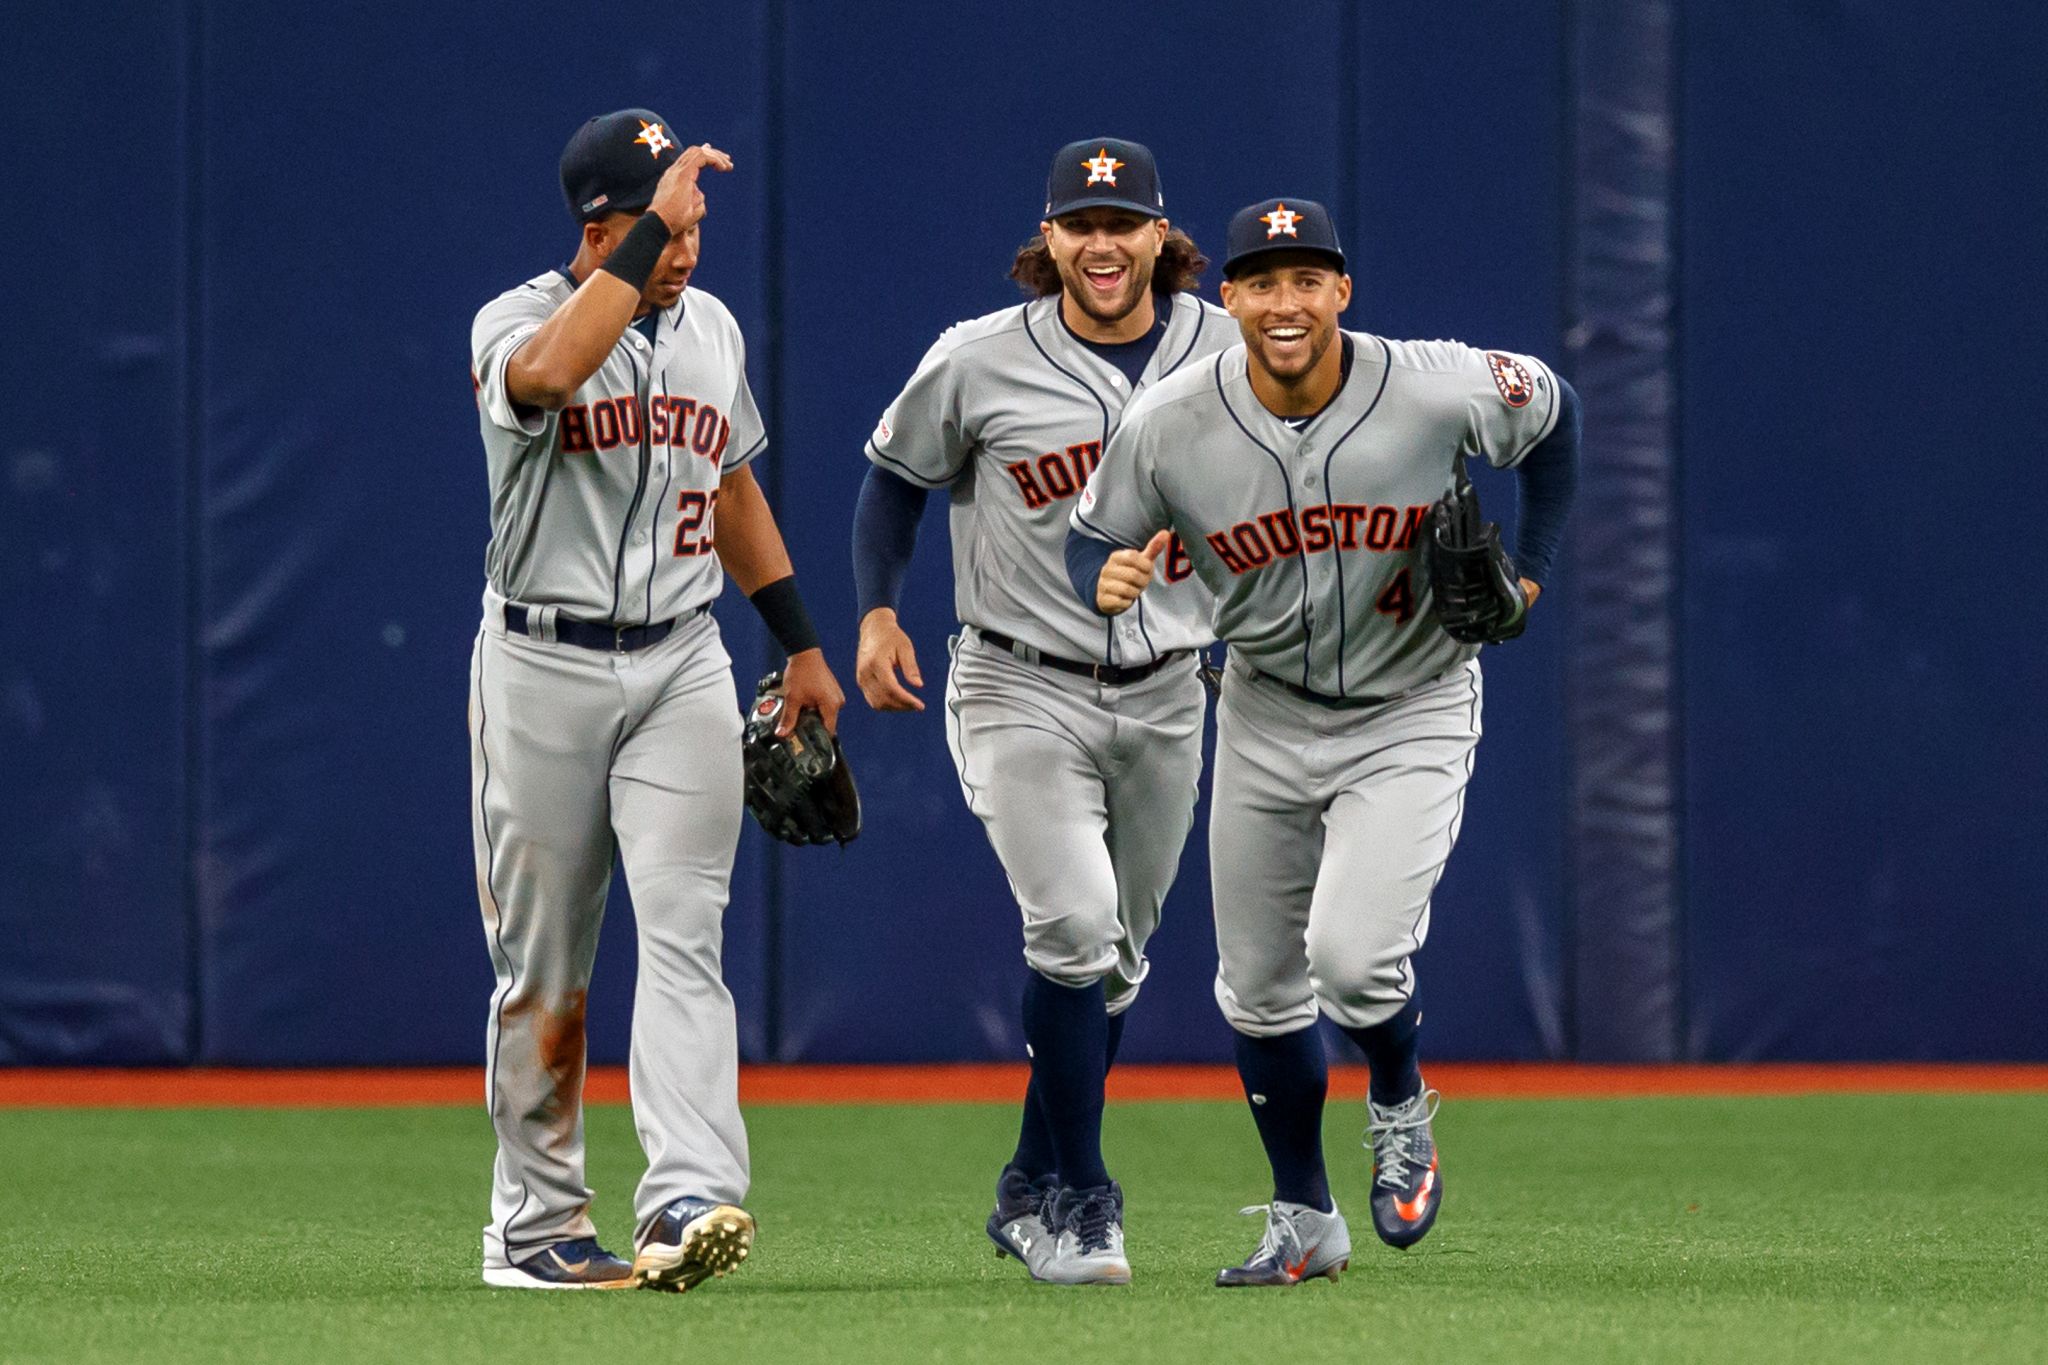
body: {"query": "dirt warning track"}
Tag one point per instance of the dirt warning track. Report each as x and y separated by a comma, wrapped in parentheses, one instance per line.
(205, 1087)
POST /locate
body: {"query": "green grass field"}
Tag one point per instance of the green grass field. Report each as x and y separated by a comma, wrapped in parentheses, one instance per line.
(1837, 1228)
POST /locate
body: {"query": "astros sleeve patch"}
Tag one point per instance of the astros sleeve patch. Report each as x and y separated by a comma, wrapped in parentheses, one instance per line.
(1511, 404)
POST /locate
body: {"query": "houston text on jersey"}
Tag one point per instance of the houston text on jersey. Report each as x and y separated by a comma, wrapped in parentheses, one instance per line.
(1378, 527)
(683, 423)
(1058, 474)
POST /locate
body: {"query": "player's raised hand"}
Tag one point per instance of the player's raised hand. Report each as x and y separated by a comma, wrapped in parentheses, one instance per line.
(885, 649)
(1128, 573)
(808, 685)
(677, 197)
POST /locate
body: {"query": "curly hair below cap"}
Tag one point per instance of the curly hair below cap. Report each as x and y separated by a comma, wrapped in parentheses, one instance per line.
(1178, 270)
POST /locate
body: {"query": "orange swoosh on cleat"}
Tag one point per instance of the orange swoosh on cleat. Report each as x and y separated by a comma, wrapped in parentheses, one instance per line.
(1294, 1270)
(1412, 1209)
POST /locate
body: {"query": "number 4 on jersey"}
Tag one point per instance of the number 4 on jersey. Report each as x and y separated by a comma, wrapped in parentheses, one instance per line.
(1397, 600)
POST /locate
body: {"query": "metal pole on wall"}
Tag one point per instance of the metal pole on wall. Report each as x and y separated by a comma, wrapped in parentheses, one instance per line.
(1623, 684)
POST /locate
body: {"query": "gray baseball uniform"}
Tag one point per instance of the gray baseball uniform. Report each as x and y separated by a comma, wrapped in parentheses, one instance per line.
(1087, 790)
(1349, 720)
(602, 512)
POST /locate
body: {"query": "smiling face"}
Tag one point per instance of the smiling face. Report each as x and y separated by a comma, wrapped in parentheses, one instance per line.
(1286, 305)
(1105, 258)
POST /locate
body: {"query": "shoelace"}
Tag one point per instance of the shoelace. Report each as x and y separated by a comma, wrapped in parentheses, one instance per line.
(1281, 1240)
(1090, 1221)
(1033, 1200)
(1402, 1139)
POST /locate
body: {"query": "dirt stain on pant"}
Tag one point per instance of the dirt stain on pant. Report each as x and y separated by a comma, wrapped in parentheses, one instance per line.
(559, 1039)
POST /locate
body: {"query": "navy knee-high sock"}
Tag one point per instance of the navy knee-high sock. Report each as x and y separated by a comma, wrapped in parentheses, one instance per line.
(1116, 1040)
(1068, 1030)
(1286, 1080)
(1035, 1157)
(1391, 1051)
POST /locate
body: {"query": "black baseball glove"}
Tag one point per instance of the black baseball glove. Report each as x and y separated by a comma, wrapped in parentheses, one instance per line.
(1479, 597)
(798, 786)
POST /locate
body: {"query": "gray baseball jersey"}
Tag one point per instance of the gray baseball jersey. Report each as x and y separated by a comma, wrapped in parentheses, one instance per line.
(605, 508)
(602, 512)
(1011, 414)
(1309, 538)
(1335, 812)
(1087, 789)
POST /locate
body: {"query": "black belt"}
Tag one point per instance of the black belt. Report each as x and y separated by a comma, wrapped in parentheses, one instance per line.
(1322, 699)
(597, 634)
(1109, 675)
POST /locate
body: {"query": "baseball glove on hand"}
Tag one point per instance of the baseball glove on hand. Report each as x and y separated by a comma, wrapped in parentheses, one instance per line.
(1479, 597)
(798, 785)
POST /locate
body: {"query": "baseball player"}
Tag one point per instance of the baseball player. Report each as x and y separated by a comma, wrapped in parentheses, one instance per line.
(1298, 469)
(1077, 738)
(618, 428)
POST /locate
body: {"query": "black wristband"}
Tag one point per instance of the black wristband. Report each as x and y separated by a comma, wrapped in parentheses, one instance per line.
(634, 259)
(782, 611)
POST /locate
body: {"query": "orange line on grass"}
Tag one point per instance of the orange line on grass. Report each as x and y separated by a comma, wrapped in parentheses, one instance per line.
(980, 1083)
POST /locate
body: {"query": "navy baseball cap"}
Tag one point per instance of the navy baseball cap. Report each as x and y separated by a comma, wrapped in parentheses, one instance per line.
(1280, 225)
(615, 160)
(1103, 171)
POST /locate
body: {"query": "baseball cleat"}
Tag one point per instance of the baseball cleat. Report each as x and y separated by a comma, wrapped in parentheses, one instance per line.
(1300, 1243)
(580, 1264)
(1407, 1186)
(1088, 1243)
(692, 1240)
(1017, 1226)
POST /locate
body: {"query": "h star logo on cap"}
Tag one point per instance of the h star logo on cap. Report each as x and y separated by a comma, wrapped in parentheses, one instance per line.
(1281, 219)
(654, 137)
(1102, 166)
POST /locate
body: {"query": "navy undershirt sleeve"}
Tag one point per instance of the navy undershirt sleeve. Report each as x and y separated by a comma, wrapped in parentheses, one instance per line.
(1086, 557)
(884, 535)
(1549, 476)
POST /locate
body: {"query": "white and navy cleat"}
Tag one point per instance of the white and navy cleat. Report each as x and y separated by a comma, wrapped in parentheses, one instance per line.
(1300, 1243)
(690, 1241)
(577, 1264)
(1088, 1238)
(1018, 1225)
(1407, 1183)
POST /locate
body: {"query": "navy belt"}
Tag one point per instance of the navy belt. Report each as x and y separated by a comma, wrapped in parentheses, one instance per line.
(1109, 675)
(599, 634)
(1322, 699)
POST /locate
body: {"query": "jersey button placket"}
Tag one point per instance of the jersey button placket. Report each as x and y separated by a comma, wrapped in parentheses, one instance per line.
(1320, 591)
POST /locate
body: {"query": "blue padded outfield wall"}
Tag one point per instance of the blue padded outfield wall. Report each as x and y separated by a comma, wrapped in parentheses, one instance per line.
(1761, 782)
